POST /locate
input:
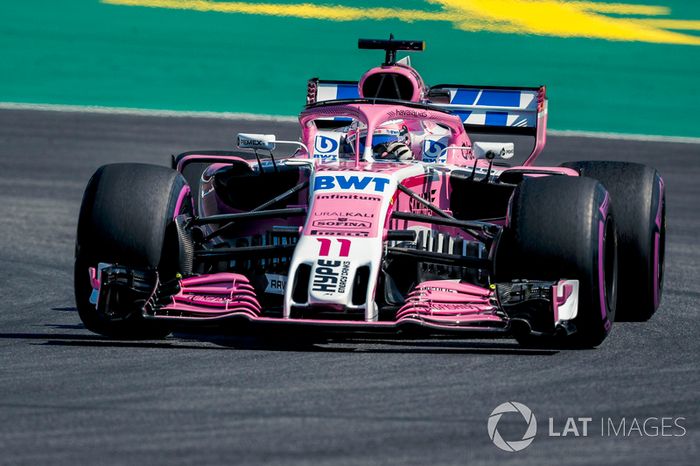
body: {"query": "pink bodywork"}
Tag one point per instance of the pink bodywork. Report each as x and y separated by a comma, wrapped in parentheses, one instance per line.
(213, 296)
(419, 88)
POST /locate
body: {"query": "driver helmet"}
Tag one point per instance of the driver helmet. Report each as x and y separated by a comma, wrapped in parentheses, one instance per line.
(391, 141)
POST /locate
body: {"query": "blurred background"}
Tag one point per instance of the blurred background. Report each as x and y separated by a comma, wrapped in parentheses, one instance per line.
(609, 67)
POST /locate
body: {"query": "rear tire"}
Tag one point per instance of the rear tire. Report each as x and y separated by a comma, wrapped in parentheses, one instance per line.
(126, 213)
(637, 193)
(562, 227)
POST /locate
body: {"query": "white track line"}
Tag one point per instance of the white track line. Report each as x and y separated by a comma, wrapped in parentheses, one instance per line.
(145, 112)
(291, 119)
(622, 136)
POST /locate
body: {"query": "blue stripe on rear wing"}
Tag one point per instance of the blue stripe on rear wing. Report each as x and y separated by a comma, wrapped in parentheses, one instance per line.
(336, 90)
(321, 91)
(495, 109)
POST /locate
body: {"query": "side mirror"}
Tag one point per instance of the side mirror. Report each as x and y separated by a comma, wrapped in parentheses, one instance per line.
(256, 141)
(491, 150)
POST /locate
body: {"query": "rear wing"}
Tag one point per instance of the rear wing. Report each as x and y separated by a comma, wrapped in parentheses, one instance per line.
(483, 109)
(493, 109)
(497, 110)
(322, 90)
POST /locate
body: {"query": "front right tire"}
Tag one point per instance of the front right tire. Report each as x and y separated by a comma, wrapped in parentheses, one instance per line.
(126, 213)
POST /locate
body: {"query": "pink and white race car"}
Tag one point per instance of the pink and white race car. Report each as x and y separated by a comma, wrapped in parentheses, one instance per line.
(398, 213)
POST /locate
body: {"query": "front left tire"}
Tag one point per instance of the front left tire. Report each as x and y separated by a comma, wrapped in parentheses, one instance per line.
(561, 227)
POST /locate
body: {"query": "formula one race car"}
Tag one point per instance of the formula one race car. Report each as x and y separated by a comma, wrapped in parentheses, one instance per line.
(390, 217)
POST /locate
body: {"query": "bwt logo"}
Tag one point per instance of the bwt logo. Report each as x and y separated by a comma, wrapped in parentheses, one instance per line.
(325, 145)
(432, 150)
(528, 436)
(364, 183)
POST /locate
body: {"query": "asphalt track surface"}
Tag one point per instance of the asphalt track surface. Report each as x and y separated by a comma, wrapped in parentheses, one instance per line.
(68, 396)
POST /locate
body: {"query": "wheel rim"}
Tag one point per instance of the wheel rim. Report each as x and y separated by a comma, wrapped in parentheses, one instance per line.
(659, 248)
(610, 266)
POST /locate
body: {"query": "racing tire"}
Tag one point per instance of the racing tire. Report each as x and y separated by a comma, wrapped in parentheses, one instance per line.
(126, 218)
(637, 193)
(561, 227)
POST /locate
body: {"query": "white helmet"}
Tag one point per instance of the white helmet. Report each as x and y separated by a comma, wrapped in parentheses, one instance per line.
(389, 142)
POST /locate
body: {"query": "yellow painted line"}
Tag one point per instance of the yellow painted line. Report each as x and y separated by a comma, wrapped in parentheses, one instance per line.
(623, 8)
(562, 19)
(556, 18)
(679, 24)
(300, 10)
